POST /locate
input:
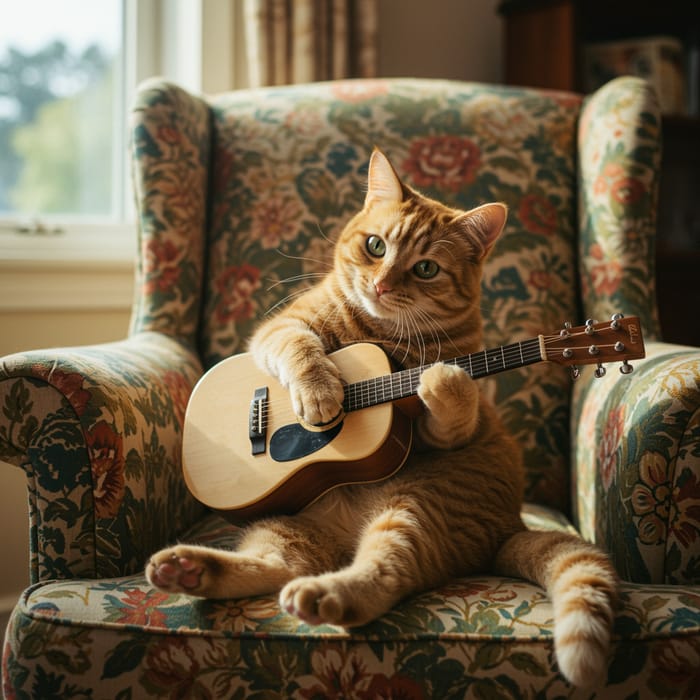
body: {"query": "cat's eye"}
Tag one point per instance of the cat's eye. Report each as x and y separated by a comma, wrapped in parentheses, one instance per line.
(426, 269)
(375, 246)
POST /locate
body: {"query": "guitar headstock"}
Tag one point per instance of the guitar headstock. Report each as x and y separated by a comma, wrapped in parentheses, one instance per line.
(617, 340)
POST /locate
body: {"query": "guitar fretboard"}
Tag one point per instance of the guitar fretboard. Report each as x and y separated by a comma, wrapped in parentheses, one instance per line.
(403, 384)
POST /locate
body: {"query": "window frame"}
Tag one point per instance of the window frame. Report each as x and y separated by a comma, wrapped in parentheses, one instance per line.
(64, 237)
(162, 37)
(188, 41)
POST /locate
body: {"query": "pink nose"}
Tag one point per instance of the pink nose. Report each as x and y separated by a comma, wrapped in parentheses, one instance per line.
(382, 287)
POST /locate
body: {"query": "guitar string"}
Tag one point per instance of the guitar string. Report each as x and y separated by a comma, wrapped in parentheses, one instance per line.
(367, 391)
(477, 364)
(509, 356)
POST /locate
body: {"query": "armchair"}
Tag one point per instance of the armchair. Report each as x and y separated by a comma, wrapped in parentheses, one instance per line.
(238, 198)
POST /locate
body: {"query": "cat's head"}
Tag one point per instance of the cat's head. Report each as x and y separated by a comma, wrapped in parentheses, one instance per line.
(410, 259)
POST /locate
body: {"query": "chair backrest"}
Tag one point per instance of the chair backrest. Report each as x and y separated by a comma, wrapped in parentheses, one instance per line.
(274, 174)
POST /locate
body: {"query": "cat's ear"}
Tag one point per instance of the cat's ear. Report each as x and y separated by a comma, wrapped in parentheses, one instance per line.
(383, 184)
(483, 226)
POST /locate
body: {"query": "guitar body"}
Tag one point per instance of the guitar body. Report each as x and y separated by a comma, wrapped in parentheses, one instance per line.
(291, 465)
(245, 452)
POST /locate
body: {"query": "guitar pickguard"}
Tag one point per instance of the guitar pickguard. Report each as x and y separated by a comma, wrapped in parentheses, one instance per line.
(293, 441)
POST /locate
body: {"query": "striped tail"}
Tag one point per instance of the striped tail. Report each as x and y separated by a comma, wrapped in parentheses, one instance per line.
(582, 585)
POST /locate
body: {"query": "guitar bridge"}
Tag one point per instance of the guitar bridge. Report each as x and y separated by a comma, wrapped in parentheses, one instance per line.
(257, 421)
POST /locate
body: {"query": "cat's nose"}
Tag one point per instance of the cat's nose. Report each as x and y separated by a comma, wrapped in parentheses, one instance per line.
(382, 287)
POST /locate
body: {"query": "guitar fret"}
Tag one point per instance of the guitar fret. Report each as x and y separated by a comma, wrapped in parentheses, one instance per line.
(404, 383)
(412, 377)
(482, 367)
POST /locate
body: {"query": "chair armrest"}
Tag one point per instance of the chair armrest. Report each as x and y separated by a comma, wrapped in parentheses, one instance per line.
(98, 431)
(636, 465)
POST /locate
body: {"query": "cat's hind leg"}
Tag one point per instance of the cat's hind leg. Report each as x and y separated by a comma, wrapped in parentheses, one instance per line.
(388, 565)
(583, 587)
(269, 554)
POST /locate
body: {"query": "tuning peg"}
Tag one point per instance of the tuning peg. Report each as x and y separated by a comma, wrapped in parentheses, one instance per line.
(600, 371)
(566, 331)
(626, 367)
(590, 330)
(615, 321)
(575, 372)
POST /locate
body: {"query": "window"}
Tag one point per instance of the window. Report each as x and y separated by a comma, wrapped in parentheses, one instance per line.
(56, 75)
(68, 71)
(62, 128)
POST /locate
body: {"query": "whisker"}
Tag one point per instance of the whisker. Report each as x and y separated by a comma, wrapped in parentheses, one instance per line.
(396, 338)
(422, 316)
(335, 312)
(402, 328)
(433, 328)
(296, 278)
(284, 300)
(323, 235)
(420, 339)
(303, 258)
(413, 332)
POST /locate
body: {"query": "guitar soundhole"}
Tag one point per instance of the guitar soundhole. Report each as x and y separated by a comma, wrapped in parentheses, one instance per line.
(293, 441)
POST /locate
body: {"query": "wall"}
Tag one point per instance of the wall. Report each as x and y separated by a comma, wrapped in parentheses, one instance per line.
(459, 39)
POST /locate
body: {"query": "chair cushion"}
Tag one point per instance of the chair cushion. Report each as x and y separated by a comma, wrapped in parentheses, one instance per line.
(485, 635)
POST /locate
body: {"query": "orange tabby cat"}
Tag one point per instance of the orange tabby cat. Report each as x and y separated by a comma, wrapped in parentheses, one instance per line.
(407, 275)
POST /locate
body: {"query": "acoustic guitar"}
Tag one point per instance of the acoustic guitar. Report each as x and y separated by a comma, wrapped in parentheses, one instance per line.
(245, 451)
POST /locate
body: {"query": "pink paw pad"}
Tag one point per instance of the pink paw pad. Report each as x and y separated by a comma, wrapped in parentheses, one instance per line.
(177, 572)
(190, 573)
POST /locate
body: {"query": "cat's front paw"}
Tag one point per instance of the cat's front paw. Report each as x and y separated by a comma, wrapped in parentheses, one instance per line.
(317, 397)
(446, 388)
(451, 399)
(176, 570)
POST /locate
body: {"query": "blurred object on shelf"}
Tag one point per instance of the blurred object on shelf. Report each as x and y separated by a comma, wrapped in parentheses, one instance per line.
(658, 59)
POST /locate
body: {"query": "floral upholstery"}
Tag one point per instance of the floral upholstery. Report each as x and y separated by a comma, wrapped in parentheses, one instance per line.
(239, 198)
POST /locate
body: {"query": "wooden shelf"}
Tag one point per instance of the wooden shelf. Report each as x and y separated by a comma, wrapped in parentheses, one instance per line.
(544, 42)
(679, 203)
(679, 296)
(544, 39)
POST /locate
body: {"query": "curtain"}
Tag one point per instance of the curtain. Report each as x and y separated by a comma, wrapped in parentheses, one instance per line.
(299, 41)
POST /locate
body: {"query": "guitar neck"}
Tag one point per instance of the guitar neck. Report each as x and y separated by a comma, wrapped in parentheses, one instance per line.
(404, 383)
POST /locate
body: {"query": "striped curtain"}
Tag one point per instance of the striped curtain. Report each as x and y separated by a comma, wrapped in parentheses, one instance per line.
(300, 41)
